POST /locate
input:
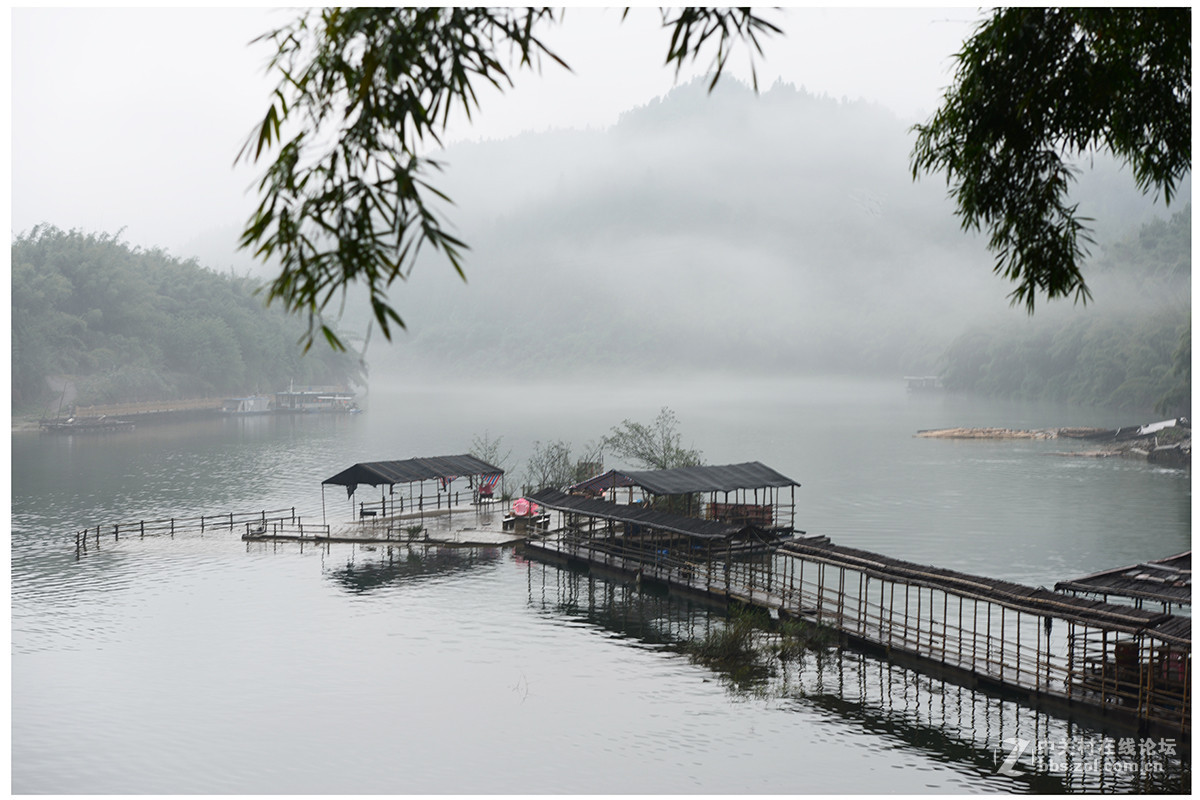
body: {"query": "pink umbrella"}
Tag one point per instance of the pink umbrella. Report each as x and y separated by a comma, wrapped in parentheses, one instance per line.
(520, 507)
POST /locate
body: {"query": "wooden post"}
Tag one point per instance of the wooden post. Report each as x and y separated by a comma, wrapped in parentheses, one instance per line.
(1143, 683)
(820, 589)
(863, 588)
(1070, 659)
(1037, 658)
(945, 603)
(1019, 657)
(800, 599)
(974, 634)
(988, 659)
(960, 630)
(841, 604)
(891, 610)
(1003, 633)
(116, 533)
(883, 582)
(918, 631)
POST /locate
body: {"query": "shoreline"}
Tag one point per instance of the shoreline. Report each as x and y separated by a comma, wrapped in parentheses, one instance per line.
(1178, 453)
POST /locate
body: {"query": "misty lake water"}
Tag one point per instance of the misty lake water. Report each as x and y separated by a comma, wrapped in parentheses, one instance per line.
(204, 664)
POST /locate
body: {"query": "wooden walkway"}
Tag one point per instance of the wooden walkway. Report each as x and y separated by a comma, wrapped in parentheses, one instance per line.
(1049, 649)
(428, 527)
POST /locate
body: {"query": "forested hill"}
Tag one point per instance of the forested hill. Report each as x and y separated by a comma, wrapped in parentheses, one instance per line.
(774, 233)
(128, 324)
(1131, 349)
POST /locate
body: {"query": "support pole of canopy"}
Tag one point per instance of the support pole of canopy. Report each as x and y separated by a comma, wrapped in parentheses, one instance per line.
(793, 507)
(323, 520)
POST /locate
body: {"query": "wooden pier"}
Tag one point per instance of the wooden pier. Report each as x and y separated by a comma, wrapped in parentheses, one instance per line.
(286, 525)
(90, 538)
(1060, 652)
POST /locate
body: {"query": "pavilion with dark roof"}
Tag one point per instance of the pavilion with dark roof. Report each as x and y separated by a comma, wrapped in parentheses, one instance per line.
(442, 471)
(738, 494)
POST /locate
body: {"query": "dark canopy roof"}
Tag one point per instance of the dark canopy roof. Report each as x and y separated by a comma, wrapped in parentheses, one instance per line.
(386, 473)
(686, 480)
(1167, 580)
(637, 515)
(609, 480)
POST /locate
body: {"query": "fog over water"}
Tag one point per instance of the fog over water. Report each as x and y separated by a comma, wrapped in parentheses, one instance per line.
(776, 234)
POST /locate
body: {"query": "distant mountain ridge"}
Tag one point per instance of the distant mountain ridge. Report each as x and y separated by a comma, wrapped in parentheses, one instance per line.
(778, 231)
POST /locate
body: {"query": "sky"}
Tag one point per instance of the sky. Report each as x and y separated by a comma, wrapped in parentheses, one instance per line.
(130, 119)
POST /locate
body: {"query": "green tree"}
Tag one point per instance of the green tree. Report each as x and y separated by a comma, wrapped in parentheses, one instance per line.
(128, 324)
(362, 92)
(658, 445)
(549, 466)
(1037, 86)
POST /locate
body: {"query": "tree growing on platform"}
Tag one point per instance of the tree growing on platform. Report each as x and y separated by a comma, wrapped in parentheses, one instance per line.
(658, 445)
(549, 466)
(490, 451)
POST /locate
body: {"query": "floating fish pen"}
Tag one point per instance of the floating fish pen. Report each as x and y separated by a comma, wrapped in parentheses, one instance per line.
(1057, 650)
(1127, 663)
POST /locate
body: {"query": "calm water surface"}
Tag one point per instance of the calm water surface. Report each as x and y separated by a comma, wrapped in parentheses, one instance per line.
(204, 664)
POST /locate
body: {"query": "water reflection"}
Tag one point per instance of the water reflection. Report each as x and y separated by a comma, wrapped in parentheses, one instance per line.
(381, 567)
(994, 741)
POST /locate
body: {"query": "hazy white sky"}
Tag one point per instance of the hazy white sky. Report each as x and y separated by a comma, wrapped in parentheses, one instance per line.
(131, 118)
